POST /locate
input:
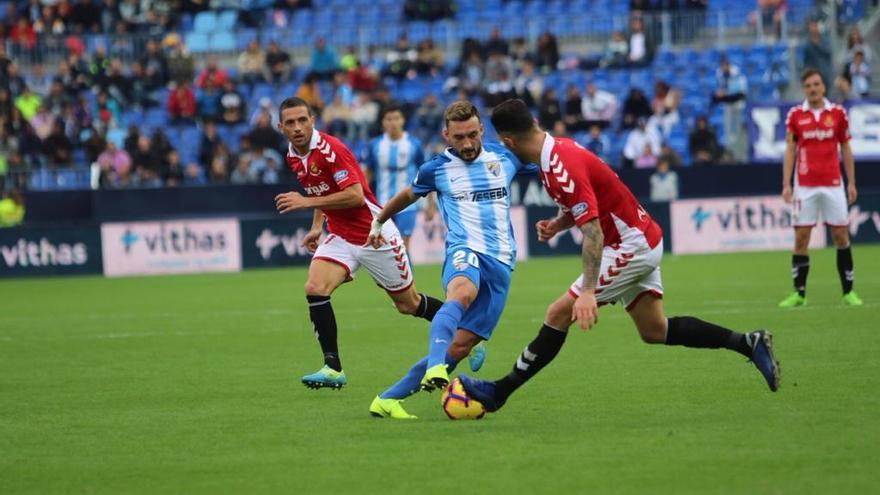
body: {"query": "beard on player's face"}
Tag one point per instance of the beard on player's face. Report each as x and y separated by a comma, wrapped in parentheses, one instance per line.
(470, 152)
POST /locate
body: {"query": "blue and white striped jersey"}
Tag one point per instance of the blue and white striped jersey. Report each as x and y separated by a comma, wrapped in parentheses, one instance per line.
(474, 199)
(394, 164)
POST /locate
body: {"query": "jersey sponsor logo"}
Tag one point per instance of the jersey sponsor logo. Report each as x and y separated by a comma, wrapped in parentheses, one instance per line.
(579, 209)
(340, 176)
(494, 167)
(317, 190)
(819, 134)
(805, 122)
(480, 196)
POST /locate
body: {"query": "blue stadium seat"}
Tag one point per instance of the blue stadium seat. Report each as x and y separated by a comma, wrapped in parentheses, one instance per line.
(227, 20)
(197, 42)
(205, 22)
(223, 41)
(244, 37)
(156, 117)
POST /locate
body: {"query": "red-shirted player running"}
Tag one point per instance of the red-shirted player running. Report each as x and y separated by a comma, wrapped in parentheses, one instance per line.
(622, 249)
(814, 131)
(338, 191)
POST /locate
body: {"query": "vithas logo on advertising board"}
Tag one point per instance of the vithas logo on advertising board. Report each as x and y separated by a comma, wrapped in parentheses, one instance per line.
(43, 251)
(186, 246)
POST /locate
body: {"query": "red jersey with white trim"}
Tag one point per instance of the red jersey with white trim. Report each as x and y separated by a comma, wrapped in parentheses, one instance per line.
(329, 167)
(818, 135)
(586, 188)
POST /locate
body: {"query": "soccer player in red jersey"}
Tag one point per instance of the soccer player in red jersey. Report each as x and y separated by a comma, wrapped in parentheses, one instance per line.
(815, 131)
(621, 254)
(338, 191)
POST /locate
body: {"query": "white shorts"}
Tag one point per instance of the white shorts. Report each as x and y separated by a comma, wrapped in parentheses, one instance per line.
(389, 265)
(830, 201)
(627, 272)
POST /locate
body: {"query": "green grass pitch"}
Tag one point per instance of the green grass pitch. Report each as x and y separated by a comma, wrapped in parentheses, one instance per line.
(190, 384)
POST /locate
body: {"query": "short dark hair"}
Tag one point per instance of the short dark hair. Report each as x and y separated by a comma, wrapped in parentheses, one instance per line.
(810, 72)
(293, 102)
(394, 107)
(512, 117)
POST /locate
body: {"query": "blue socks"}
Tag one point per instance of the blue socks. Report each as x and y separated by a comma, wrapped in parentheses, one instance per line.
(443, 328)
(411, 383)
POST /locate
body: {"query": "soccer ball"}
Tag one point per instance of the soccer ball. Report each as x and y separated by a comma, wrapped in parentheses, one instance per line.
(457, 405)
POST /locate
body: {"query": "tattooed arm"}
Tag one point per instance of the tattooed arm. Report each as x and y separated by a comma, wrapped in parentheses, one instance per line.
(586, 309)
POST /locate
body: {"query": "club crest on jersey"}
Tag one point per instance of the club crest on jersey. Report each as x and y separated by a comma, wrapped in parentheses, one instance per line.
(829, 121)
(314, 169)
(579, 209)
(494, 167)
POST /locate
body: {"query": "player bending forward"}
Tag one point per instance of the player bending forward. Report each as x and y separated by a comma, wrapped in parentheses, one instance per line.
(472, 182)
(814, 130)
(337, 190)
(622, 249)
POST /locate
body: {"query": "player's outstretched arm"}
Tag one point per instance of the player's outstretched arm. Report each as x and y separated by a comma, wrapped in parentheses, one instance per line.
(788, 166)
(849, 167)
(350, 197)
(394, 206)
(586, 309)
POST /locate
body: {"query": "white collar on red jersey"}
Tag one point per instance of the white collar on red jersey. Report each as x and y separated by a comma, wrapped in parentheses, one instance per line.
(313, 143)
(546, 150)
(826, 105)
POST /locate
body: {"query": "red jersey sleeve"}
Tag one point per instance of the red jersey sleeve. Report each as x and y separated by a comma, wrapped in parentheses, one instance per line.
(345, 168)
(790, 125)
(575, 189)
(843, 134)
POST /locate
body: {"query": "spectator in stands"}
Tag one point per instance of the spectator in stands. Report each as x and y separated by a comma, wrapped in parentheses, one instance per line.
(430, 58)
(547, 53)
(114, 164)
(665, 108)
(528, 85)
(336, 119)
(14, 82)
(471, 75)
(641, 46)
(635, 107)
(115, 83)
(598, 143)
(107, 113)
(139, 94)
(767, 19)
(310, 92)
(549, 110)
(428, 10)
(265, 107)
(155, 66)
(146, 164)
(97, 67)
(242, 174)
(664, 183)
(172, 169)
(400, 62)
(670, 155)
(616, 52)
(263, 136)
(362, 78)
(208, 143)
(194, 175)
(212, 72)
(731, 83)
(858, 73)
(278, 65)
(11, 208)
(251, 63)
(85, 17)
(496, 43)
(350, 60)
(43, 122)
(182, 105)
(856, 43)
(219, 172)
(181, 65)
(647, 159)
(22, 36)
(56, 98)
(703, 143)
(572, 114)
(560, 129)
(58, 147)
(640, 137)
(364, 113)
(817, 52)
(129, 144)
(498, 79)
(28, 102)
(232, 104)
(519, 51)
(429, 119)
(342, 88)
(38, 81)
(160, 144)
(272, 171)
(598, 107)
(324, 61)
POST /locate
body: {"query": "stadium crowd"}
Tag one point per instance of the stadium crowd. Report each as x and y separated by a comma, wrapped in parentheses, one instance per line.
(78, 112)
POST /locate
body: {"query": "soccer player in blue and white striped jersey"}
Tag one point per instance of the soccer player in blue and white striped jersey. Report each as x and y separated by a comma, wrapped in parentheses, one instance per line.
(393, 160)
(472, 182)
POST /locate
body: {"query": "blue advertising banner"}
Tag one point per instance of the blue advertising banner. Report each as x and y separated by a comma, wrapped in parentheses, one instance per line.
(767, 129)
(275, 241)
(38, 251)
(864, 219)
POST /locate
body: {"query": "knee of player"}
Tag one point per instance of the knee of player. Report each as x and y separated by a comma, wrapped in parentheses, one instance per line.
(317, 288)
(654, 333)
(558, 315)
